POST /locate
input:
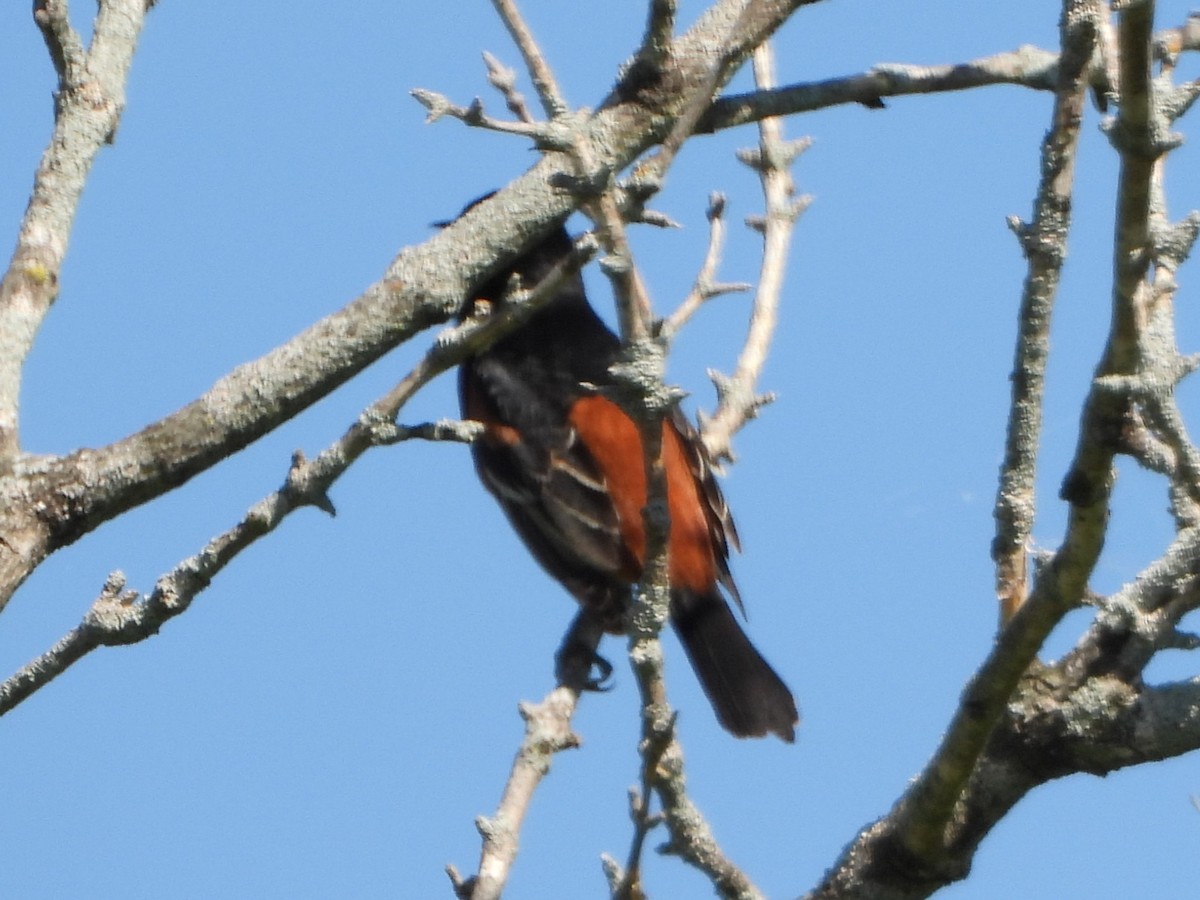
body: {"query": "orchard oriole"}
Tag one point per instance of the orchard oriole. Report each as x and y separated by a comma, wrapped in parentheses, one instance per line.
(565, 463)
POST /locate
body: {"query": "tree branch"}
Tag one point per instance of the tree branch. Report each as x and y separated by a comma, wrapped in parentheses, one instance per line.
(422, 287)
(504, 79)
(915, 832)
(639, 381)
(88, 107)
(1170, 43)
(539, 70)
(1044, 244)
(921, 816)
(737, 401)
(691, 837)
(547, 732)
(706, 286)
(1089, 712)
(1028, 67)
(541, 133)
(53, 18)
(660, 29)
(647, 399)
(120, 617)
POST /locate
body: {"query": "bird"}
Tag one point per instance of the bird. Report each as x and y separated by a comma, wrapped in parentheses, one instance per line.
(565, 463)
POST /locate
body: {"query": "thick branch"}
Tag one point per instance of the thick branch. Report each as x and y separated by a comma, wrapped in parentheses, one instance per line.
(1087, 713)
(423, 286)
(131, 617)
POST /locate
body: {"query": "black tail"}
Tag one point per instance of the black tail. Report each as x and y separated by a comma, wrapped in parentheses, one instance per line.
(749, 699)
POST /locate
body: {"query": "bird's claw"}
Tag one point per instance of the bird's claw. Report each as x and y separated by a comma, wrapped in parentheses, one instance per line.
(574, 664)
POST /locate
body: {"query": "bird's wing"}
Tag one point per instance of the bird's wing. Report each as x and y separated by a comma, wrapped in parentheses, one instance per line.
(546, 480)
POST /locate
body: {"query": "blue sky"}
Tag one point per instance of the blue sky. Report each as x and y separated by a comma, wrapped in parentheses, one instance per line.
(331, 715)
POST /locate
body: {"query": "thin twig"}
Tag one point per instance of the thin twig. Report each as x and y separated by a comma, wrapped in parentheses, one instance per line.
(547, 732)
(691, 837)
(626, 884)
(634, 310)
(535, 62)
(504, 79)
(1029, 67)
(737, 401)
(706, 286)
(542, 133)
(643, 394)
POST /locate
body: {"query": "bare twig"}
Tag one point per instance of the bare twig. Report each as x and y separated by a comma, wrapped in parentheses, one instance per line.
(1028, 66)
(1182, 99)
(634, 310)
(736, 399)
(547, 732)
(504, 79)
(535, 62)
(626, 883)
(691, 837)
(639, 379)
(473, 115)
(642, 392)
(706, 286)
